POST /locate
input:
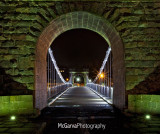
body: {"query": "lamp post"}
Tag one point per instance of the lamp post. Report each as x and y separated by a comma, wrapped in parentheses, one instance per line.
(101, 78)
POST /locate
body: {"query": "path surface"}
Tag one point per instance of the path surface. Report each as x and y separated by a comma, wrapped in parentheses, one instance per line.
(80, 96)
(80, 105)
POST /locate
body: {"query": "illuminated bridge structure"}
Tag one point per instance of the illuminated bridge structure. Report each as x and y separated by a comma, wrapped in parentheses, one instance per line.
(104, 29)
(61, 93)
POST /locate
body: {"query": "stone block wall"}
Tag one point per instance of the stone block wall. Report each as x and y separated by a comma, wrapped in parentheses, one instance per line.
(137, 22)
(21, 104)
(144, 104)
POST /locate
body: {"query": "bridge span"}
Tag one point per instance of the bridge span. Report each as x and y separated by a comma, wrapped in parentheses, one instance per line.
(79, 96)
(86, 105)
(81, 106)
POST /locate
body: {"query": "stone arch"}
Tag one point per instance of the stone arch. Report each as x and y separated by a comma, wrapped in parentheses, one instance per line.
(83, 20)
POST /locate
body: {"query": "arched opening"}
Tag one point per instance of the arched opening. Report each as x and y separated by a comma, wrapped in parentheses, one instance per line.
(86, 21)
(78, 80)
(80, 52)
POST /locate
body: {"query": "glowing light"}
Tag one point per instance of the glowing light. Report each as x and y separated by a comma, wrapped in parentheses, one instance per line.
(148, 117)
(67, 79)
(78, 79)
(13, 118)
(101, 75)
(103, 64)
(55, 65)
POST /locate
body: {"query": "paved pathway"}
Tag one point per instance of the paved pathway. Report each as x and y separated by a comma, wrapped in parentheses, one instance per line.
(82, 105)
(79, 96)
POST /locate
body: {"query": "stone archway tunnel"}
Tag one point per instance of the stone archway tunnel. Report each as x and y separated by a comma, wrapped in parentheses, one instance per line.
(136, 24)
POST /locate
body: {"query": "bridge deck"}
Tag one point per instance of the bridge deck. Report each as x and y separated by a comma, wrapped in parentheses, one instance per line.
(81, 105)
(79, 96)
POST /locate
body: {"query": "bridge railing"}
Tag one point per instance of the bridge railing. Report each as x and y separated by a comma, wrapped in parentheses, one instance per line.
(103, 83)
(53, 91)
(55, 81)
(106, 91)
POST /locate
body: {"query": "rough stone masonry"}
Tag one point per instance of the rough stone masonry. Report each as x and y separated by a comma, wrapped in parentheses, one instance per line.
(22, 22)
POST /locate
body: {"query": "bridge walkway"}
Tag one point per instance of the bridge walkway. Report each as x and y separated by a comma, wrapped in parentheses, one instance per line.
(80, 105)
(80, 97)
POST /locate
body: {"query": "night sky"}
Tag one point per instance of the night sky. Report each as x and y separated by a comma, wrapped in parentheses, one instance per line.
(79, 49)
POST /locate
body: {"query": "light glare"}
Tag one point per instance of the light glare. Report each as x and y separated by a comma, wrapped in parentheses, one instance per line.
(148, 116)
(102, 75)
(13, 117)
(78, 79)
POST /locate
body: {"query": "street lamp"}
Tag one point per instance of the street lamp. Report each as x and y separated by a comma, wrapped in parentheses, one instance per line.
(102, 75)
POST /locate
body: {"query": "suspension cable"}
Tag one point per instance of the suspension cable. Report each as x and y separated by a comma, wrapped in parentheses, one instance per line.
(55, 65)
(103, 64)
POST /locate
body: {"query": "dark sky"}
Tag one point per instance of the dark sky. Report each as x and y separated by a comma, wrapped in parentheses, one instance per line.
(79, 48)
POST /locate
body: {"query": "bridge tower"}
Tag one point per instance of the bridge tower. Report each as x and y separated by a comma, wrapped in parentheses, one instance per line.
(76, 73)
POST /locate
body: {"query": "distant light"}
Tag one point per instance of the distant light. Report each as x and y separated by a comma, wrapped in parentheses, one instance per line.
(78, 79)
(89, 80)
(13, 118)
(148, 117)
(67, 79)
(101, 75)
